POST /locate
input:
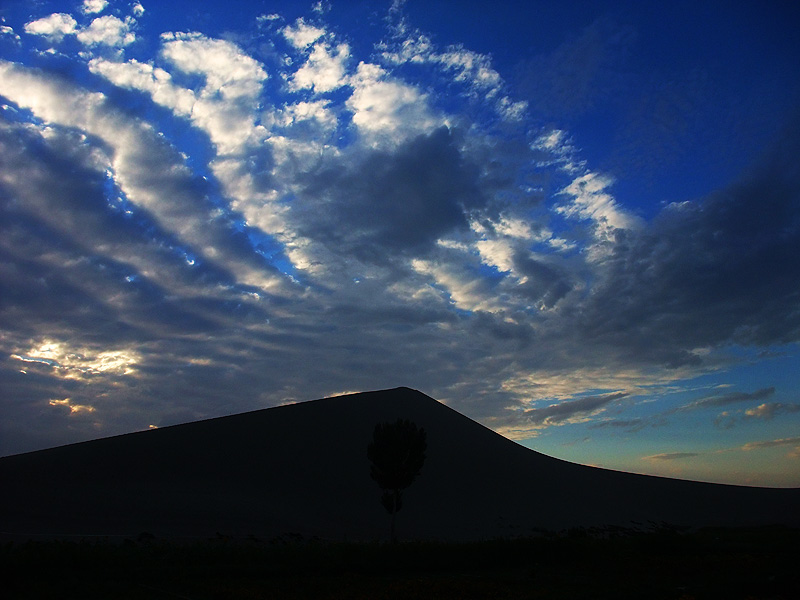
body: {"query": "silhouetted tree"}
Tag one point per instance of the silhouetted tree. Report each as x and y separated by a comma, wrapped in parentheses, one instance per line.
(397, 453)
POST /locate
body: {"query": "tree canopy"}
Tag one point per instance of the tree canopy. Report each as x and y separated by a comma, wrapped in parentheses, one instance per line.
(397, 453)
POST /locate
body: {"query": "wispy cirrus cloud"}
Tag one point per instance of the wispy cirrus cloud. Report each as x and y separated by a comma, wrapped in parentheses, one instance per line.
(792, 443)
(717, 400)
(632, 424)
(668, 456)
(563, 411)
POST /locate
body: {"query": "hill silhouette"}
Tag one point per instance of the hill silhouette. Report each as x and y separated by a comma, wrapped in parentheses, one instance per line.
(303, 469)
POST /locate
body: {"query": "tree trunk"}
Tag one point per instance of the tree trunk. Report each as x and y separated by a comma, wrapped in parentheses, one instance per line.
(392, 534)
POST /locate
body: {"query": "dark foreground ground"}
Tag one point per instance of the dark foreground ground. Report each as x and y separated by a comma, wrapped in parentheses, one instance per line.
(709, 563)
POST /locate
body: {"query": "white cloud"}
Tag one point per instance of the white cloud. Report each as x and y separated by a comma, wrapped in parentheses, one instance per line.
(262, 19)
(9, 32)
(227, 70)
(590, 200)
(51, 198)
(559, 150)
(560, 244)
(762, 411)
(108, 30)
(94, 6)
(496, 253)
(511, 237)
(418, 49)
(514, 227)
(259, 206)
(466, 292)
(552, 140)
(146, 170)
(453, 245)
(324, 70)
(468, 67)
(137, 9)
(73, 362)
(54, 26)
(225, 105)
(146, 78)
(302, 35)
(385, 109)
(566, 384)
(510, 110)
(301, 112)
(73, 406)
(768, 410)
(473, 68)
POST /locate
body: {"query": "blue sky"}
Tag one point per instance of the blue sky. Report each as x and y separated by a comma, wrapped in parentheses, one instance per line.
(577, 223)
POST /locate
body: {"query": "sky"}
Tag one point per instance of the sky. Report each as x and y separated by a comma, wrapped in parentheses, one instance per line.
(577, 223)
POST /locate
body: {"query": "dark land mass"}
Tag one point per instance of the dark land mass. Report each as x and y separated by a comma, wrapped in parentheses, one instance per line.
(302, 470)
(279, 503)
(729, 564)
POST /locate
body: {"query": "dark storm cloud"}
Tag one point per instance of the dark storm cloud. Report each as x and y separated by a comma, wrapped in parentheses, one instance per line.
(71, 265)
(720, 271)
(40, 295)
(398, 316)
(556, 413)
(58, 182)
(501, 329)
(391, 203)
(544, 283)
(51, 287)
(93, 277)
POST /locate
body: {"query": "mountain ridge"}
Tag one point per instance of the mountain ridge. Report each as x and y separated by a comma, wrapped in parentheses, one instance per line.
(302, 469)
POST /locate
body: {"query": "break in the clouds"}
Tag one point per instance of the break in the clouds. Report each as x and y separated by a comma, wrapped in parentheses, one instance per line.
(206, 214)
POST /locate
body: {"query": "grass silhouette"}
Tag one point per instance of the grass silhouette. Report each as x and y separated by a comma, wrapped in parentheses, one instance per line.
(708, 563)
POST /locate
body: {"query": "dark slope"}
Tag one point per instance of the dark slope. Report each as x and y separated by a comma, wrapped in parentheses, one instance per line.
(303, 468)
